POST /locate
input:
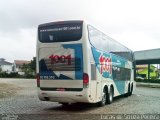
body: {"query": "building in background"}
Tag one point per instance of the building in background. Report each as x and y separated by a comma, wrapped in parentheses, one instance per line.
(148, 64)
(142, 72)
(6, 66)
(18, 66)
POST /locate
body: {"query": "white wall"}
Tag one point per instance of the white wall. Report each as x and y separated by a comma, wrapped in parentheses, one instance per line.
(6, 68)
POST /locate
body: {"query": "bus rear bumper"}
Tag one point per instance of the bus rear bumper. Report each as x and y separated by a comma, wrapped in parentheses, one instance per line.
(64, 96)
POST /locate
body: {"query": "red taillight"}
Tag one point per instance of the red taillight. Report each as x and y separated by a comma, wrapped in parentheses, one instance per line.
(85, 79)
(38, 79)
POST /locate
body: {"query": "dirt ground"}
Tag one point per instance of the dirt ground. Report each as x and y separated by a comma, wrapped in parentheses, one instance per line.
(8, 90)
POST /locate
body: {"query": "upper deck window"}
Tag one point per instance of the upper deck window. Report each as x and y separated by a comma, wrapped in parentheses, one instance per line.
(60, 32)
(103, 42)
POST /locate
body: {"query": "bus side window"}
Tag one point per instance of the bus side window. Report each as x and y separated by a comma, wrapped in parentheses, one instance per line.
(93, 72)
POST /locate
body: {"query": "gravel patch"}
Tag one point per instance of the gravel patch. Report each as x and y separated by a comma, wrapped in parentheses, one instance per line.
(8, 90)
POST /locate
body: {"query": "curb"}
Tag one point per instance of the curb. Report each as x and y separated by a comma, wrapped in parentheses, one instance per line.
(152, 85)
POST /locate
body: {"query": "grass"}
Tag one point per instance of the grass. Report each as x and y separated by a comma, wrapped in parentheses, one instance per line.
(8, 90)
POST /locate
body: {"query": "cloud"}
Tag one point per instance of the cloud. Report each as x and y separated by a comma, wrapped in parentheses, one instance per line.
(124, 20)
(19, 14)
(20, 19)
(137, 40)
(20, 45)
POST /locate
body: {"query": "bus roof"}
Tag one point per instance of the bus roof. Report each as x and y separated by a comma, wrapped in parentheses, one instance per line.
(60, 22)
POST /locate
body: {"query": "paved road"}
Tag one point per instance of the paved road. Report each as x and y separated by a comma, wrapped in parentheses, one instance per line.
(143, 101)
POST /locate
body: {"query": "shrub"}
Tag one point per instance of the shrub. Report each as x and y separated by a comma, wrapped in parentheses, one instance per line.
(15, 75)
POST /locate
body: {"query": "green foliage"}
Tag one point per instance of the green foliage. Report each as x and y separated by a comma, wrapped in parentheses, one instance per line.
(28, 69)
(0, 69)
(9, 75)
(148, 81)
(15, 75)
(33, 64)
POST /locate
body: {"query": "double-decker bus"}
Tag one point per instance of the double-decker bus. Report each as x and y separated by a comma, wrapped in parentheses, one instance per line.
(78, 63)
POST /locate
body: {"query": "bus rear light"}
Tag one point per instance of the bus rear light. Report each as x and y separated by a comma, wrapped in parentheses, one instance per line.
(38, 79)
(85, 79)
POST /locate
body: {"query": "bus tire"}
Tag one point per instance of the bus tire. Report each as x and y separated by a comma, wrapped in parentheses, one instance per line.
(128, 92)
(64, 104)
(110, 96)
(103, 101)
(131, 90)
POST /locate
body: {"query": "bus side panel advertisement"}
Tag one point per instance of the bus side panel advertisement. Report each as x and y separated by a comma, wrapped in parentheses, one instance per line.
(112, 67)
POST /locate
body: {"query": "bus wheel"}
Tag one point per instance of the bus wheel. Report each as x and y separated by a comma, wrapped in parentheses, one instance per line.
(131, 90)
(103, 101)
(128, 93)
(110, 96)
(64, 104)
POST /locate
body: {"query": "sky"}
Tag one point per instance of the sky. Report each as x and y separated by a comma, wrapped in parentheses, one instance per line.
(134, 23)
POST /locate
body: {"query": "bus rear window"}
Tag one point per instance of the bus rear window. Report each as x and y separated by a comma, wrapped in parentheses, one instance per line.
(60, 32)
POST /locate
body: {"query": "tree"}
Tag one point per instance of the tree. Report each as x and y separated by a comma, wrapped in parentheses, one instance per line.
(25, 68)
(30, 69)
(33, 64)
(0, 69)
